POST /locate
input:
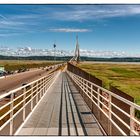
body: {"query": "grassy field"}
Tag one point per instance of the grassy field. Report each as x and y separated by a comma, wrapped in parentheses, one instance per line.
(125, 77)
(12, 65)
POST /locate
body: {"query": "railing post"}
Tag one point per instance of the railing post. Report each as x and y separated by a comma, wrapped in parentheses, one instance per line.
(31, 97)
(98, 102)
(47, 79)
(86, 86)
(41, 90)
(37, 92)
(43, 86)
(11, 113)
(72, 75)
(91, 93)
(85, 89)
(98, 97)
(109, 107)
(91, 88)
(80, 82)
(132, 115)
(24, 101)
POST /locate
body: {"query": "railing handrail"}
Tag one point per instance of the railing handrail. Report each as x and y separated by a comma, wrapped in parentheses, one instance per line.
(84, 85)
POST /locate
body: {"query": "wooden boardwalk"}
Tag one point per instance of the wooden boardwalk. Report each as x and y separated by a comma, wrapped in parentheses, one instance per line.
(62, 111)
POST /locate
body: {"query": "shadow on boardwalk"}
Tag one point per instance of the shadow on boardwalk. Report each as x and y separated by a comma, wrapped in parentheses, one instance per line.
(61, 112)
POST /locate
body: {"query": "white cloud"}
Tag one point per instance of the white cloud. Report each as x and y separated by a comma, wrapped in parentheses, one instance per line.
(11, 23)
(94, 53)
(40, 17)
(28, 51)
(8, 34)
(69, 30)
(91, 12)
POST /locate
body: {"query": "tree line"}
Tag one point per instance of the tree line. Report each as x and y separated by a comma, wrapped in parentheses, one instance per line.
(67, 58)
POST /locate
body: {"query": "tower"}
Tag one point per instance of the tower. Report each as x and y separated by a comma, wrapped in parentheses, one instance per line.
(76, 57)
(77, 53)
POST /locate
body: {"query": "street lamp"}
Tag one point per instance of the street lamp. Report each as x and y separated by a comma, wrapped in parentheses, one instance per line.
(54, 46)
(62, 55)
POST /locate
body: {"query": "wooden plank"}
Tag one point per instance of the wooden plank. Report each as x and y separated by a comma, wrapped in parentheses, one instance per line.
(52, 132)
(26, 131)
(39, 132)
(62, 112)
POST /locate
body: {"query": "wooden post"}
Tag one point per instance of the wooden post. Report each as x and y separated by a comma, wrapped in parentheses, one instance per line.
(11, 113)
(110, 116)
(43, 86)
(31, 97)
(24, 101)
(132, 115)
(98, 102)
(98, 97)
(37, 93)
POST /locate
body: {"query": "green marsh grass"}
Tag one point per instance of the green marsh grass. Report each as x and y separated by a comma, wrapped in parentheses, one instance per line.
(125, 77)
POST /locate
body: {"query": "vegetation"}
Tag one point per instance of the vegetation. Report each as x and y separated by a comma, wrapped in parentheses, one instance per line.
(50, 58)
(67, 58)
(115, 59)
(14, 65)
(125, 77)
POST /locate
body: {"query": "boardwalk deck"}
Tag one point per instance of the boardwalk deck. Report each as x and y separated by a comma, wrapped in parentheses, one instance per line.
(62, 111)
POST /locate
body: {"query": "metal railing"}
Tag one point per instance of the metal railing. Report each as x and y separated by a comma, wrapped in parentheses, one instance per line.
(20, 102)
(105, 104)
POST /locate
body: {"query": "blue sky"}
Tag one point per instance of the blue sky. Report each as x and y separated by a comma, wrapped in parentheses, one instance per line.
(99, 27)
